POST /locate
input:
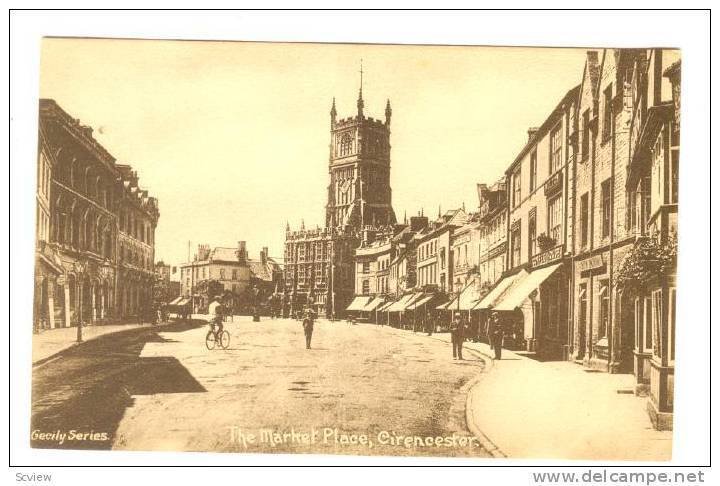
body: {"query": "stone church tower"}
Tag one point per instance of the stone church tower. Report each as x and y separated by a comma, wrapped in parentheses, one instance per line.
(359, 193)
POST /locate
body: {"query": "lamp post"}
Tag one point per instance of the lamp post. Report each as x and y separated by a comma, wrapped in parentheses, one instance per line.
(105, 270)
(80, 268)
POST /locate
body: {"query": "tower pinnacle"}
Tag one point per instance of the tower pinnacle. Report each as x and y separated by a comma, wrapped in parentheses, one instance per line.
(360, 103)
(333, 113)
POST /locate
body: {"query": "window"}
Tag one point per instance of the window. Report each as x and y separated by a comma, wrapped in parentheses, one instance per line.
(584, 219)
(532, 234)
(607, 113)
(671, 326)
(604, 314)
(582, 309)
(345, 144)
(533, 171)
(516, 187)
(674, 156)
(606, 207)
(555, 149)
(555, 218)
(515, 245)
(585, 134)
(656, 319)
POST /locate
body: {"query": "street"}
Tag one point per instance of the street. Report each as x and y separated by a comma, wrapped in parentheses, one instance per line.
(361, 389)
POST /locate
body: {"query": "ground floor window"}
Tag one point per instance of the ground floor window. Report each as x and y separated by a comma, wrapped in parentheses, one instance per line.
(656, 320)
(671, 326)
(604, 309)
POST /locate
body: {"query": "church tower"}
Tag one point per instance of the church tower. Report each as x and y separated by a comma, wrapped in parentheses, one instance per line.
(359, 193)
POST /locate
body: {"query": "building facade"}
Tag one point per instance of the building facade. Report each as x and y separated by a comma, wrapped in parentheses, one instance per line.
(319, 263)
(652, 201)
(82, 194)
(229, 273)
(434, 251)
(537, 202)
(492, 218)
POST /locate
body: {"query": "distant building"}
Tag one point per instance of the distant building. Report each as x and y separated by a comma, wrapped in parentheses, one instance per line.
(434, 257)
(221, 270)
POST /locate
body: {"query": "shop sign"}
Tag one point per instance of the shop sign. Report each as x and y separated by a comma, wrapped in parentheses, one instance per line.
(547, 256)
(595, 261)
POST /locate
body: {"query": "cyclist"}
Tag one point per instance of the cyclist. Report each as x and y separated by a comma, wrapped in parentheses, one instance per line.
(216, 325)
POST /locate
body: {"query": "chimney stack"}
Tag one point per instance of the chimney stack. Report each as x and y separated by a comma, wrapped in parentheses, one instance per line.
(242, 251)
(532, 131)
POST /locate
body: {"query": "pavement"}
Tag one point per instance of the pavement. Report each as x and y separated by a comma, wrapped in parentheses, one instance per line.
(556, 410)
(50, 342)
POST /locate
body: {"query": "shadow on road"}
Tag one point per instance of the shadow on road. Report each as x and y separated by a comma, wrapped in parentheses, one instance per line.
(84, 393)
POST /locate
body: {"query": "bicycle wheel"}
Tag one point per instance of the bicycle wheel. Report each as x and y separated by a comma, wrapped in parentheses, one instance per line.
(210, 340)
(224, 339)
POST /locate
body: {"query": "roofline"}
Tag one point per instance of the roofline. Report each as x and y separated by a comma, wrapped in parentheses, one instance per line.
(544, 128)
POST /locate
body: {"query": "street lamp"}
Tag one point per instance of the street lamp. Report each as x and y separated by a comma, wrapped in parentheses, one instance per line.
(105, 270)
(80, 268)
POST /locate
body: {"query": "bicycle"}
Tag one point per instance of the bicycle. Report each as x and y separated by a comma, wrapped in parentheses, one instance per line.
(213, 337)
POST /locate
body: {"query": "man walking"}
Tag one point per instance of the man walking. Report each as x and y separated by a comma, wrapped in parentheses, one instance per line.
(496, 334)
(308, 323)
(457, 336)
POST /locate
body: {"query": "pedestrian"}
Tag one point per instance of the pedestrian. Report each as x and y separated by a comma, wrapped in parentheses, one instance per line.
(497, 334)
(457, 335)
(308, 323)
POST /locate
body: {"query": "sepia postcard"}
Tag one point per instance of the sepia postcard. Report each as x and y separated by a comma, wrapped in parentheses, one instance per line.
(356, 249)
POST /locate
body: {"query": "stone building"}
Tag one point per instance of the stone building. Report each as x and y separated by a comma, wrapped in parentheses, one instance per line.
(603, 336)
(82, 193)
(136, 244)
(434, 256)
(228, 272)
(537, 258)
(492, 218)
(652, 202)
(319, 263)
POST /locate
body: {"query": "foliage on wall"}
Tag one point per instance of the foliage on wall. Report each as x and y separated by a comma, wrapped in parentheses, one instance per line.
(649, 260)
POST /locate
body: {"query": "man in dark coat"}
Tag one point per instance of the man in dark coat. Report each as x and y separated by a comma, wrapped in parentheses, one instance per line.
(308, 323)
(457, 335)
(496, 334)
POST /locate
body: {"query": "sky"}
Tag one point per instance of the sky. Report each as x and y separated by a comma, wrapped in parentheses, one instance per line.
(233, 137)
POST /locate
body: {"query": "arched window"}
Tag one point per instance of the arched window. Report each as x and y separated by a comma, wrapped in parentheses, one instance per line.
(346, 144)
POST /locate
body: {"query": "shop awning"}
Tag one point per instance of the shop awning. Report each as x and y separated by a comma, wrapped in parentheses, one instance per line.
(402, 304)
(494, 295)
(423, 301)
(384, 307)
(358, 303)
(442, 306)
(468, 299)
(523, 288)
(374, 304)
(176, 301)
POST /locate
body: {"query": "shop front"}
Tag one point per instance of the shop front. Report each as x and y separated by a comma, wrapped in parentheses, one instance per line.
(539, 299)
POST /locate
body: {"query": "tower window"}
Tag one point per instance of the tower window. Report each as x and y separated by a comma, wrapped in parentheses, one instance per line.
(345, 144)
